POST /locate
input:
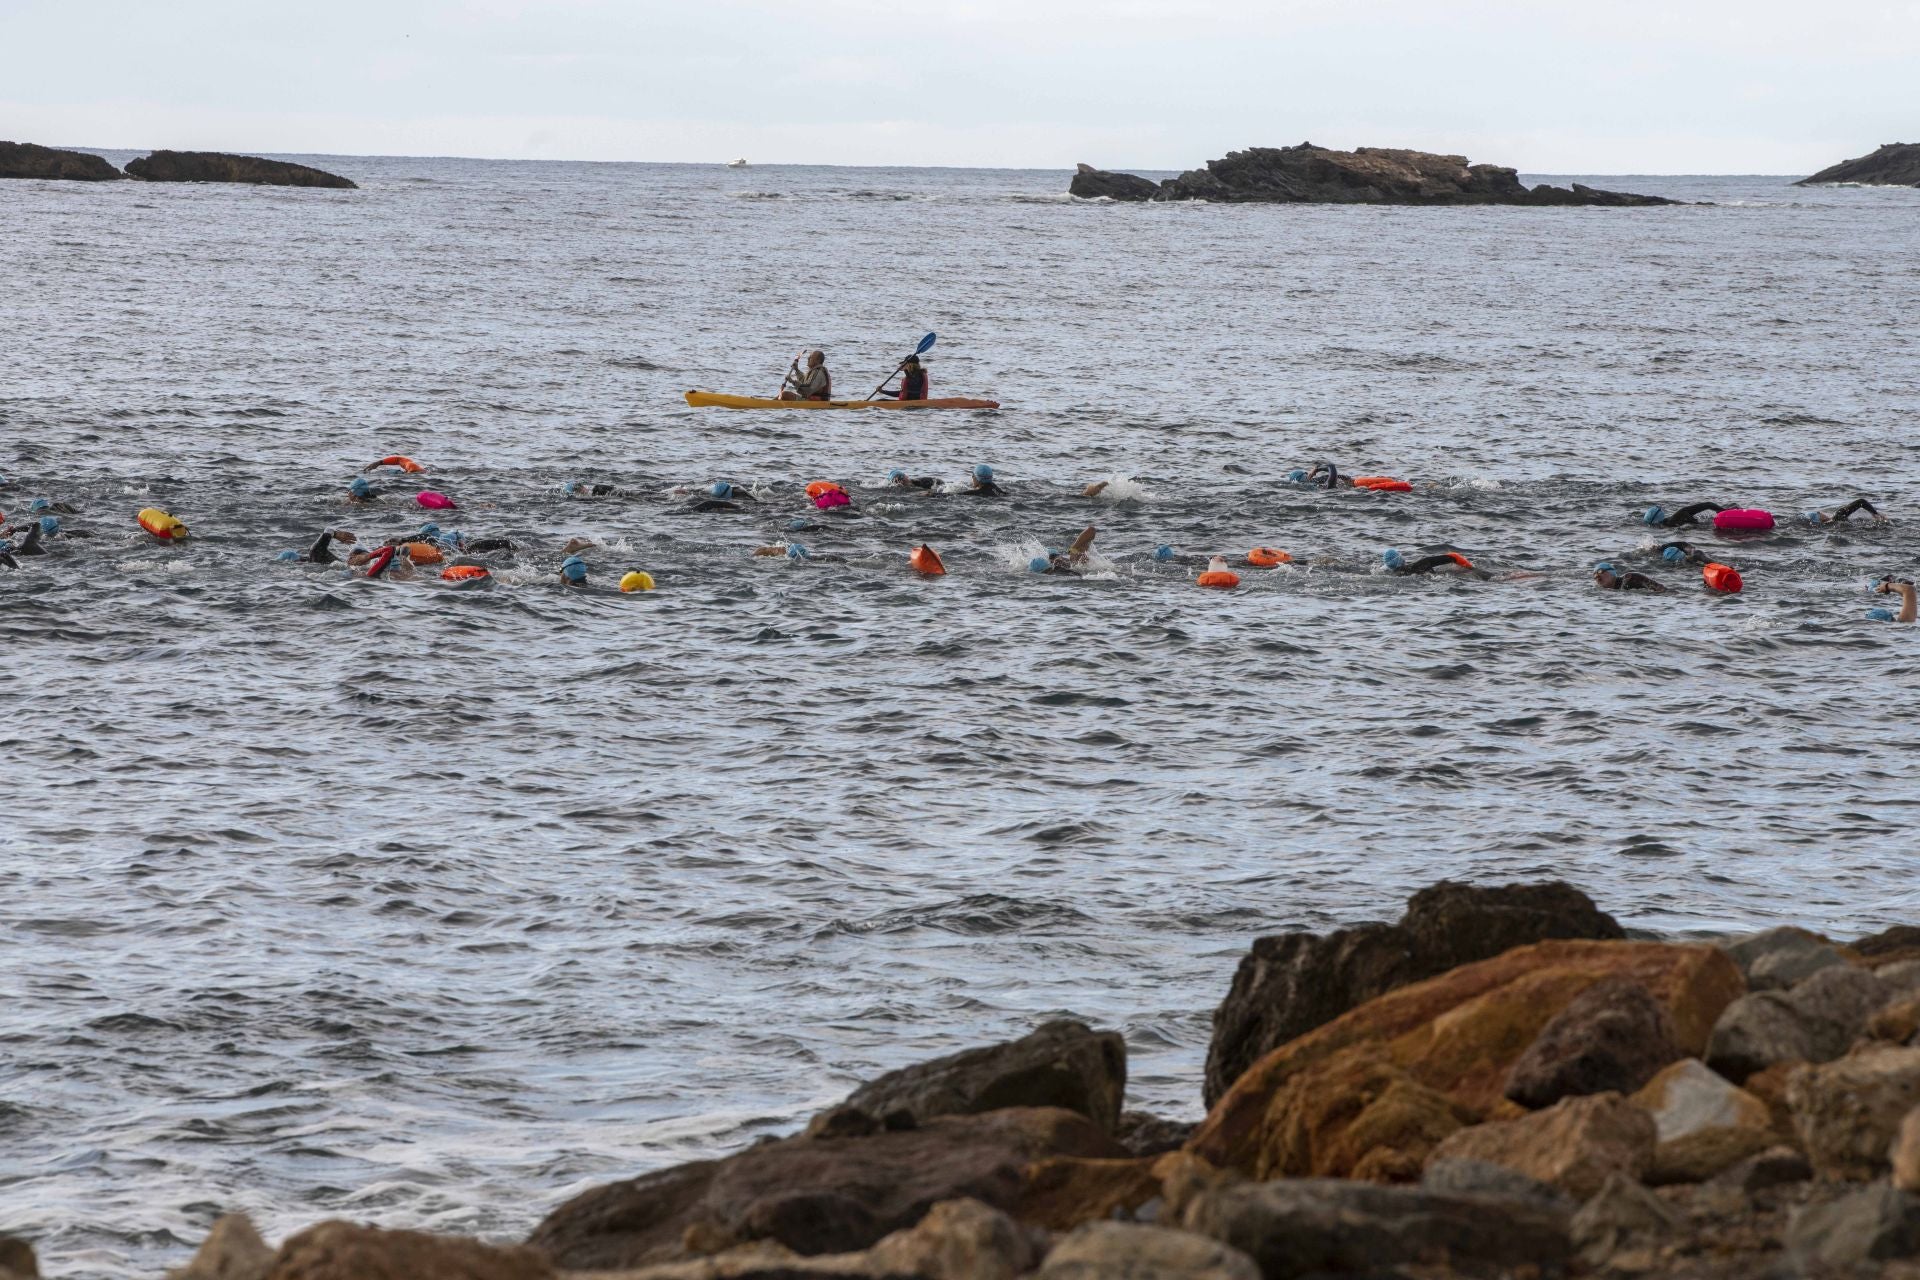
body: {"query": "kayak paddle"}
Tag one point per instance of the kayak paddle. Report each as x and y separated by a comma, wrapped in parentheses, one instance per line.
(925, 344)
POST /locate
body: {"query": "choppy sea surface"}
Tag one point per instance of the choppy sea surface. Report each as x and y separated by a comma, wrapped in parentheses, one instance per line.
(427, 906)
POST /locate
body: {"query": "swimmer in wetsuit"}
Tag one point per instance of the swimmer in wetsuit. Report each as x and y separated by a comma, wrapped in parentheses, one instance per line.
(573, 571)
(30, 543)
(1072, 560)
(1685, 515)
(898, 479)
(1444, 562)
(321, 552)
(983, 485)
(6, 555)
(1608, 578)
(361, 491)
(1683, 553)
(1841, 514)
(720, 496)
(1909, 605)
(581, 489)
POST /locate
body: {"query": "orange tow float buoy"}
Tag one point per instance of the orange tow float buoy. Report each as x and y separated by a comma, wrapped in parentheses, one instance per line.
(424, 553)
(1459, 559)
(463, 573)
(1267, 557)
(925, 559)
(818, 487)
(161, 525)
(1721, 577)
(1219, 578)
(1382, 484)
(406, 464)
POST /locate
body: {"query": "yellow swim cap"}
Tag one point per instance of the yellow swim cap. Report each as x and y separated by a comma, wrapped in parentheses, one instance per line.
(638, 580)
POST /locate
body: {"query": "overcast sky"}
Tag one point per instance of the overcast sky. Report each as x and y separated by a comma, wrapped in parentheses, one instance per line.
(1594, 86)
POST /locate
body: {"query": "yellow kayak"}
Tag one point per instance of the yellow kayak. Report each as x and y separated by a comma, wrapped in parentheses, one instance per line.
(716, 400)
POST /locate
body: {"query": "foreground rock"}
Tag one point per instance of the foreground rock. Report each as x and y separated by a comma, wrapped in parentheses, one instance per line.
(1613, 1038)
(25, 160)
(1371, 1094)
(814, 1195)
(1895, 164)
(1575, 1146)
(1307, 174)
(1814, 1022)
(1319, 1226)
(1290, 984)
(215, 166)
(1128, 1251)
(17, 1261)
(1848, 1113)
(1875, 1225)
(347, 1251)
(1062, 1064)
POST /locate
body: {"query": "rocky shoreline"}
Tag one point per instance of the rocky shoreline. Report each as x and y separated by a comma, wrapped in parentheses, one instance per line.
(1893, 164)
(26, 160)
(1308, 174)
(1503, 1083)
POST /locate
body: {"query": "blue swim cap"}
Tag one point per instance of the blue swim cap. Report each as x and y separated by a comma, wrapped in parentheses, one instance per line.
(39, 504)
(360, 488)
(1670, 553)
(982, 472)
(6, 544)
(799, 522)
(896, 474)
(1163, 552)
(429, 530)
(1604, 566)
(569, 487)
(721, 489)
(288, 555)
(796, 552)
(1297, 475)
(1654, 515)
(1880, 615)
(1039, 564)
(1813, 517)
(1392, 558)
(454, 536)
(49, 524)
(573, 569)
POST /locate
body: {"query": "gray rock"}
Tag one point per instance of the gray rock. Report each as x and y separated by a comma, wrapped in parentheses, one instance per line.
(1902, 975)
(1614, 1036)
(1290, 984)
(1815, 1022)
(1620, 1211)
(1151, 1135)
(1775, 1167)
(1875, 1225)
(1125, 1251)
(1061, 1064)
(1895, 164)
(216, 166)
(1371, 175)
(1090, 183)
(1302, 1227)
(1776, 959)
(25, 160)
(1457, 1175)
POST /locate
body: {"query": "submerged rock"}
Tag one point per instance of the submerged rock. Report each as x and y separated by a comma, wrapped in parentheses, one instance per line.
(1895, 164)
(1061, 1064)
(25, 160)
(1308, 174)
(215, 166)
(1090, 183)
(1290, 984)
(813, 1195)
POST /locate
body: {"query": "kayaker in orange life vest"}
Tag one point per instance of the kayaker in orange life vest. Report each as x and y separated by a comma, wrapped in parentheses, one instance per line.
(913, 380)
(815, 384)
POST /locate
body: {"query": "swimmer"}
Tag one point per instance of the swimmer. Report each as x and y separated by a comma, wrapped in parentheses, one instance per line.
(1685, 515)
(983, 485)
(1608, 578)
(30, 544)
(6, 555)
(1095, 489)
(44, 506)
(321, 552)
(720, 496)
(898, 479)
(1072, 560)
(581, 489)
(1683, 553)
(388, 562)
(1890, 585)
(796, 552)
(361, 491)
(573, 571)
(1444, 562)
(1840, 515)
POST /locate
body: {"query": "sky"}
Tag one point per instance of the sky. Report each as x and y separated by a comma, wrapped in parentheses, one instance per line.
(1590, 87)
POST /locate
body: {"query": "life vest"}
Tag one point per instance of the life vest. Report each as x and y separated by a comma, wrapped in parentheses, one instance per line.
(913, 384)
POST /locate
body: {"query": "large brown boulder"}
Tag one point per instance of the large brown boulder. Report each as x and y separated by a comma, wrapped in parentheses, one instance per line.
(814, 1195)
(1373, 1092)
(1292, 983)
(1370, 175)
(1060, 1064)
(215, 166)
(347, 1251)
(1575, 1145)
(1895, 164)
(25, 160)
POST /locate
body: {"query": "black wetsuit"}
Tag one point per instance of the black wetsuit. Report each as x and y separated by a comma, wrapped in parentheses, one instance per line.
(915, 482)
(321, 552)
(986, 489)
(1688, 513)
(1858, 504)
(1427, 564)
(478, 545)
(6, 558)
(30, 545)
(1323, 476)
(1630, 582)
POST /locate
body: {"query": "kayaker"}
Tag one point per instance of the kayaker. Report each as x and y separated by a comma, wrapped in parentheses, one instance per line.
(913, 380)
(815, 384)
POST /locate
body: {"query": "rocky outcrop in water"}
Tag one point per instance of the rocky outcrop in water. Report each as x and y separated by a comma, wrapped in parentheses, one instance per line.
(214, 166)
(1895, 164)
(1308, 174)
(25, 160)
(1475, 1122)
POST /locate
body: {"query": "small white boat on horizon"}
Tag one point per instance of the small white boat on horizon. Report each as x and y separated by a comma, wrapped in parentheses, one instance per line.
(737, 164)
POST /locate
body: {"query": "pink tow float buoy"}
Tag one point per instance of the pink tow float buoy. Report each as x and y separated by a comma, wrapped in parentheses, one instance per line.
(1743, 518)
(831, 498)
(436, 501)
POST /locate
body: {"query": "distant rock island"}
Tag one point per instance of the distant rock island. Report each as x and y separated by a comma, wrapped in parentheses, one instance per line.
(215, 166)
(1896, 164)
(1307, 174)
(25, 160)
